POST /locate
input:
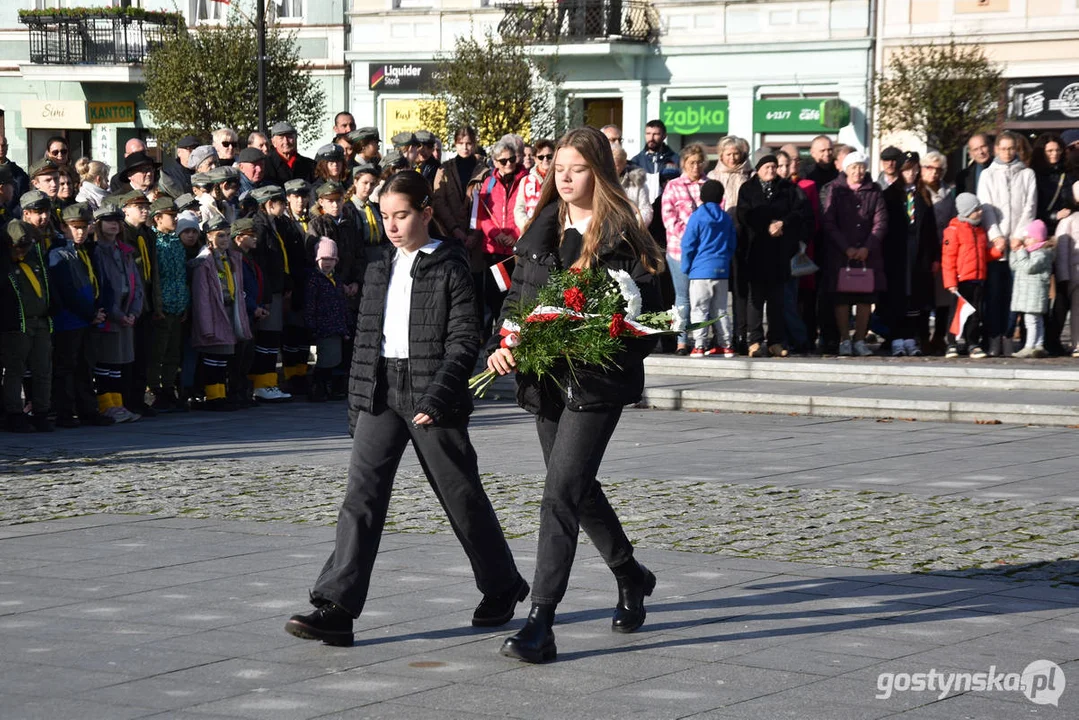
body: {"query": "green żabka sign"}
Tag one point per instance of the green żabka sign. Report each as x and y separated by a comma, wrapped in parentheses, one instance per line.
(690, 117)
(800, 115)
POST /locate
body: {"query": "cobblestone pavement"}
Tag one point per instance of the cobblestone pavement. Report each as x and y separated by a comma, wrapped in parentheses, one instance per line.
(302, 481)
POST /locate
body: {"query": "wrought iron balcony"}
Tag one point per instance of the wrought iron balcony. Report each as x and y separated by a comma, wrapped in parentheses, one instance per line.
(574, 21)
(60, 39)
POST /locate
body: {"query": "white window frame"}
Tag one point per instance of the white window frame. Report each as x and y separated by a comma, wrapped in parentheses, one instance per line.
(193, 12)
(288, 19)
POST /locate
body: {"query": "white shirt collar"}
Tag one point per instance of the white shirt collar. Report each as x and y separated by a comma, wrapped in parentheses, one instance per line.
(411, 255)
(580, 226)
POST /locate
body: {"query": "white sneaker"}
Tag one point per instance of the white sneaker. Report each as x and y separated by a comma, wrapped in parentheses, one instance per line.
(845, 347)
(271, 394)
(861, 350)
(121, 414)
(898, 348)
(911, 348)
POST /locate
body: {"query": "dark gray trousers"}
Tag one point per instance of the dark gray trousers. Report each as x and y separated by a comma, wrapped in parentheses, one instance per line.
(573, 444)
(449, 461)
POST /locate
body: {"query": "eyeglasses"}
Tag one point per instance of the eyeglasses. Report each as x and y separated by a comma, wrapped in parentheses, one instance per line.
(545, 157)
(616, 140)
(505, 161)
(227, 143)
(61, 151)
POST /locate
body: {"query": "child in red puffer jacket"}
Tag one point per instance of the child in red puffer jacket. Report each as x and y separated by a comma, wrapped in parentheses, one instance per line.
(965, 256)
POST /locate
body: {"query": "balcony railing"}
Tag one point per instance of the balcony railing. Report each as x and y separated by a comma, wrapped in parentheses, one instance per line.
(573, 21)
(86, 40)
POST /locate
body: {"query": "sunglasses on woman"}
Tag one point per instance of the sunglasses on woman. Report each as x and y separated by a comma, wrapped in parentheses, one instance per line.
(545, 157)
(505, 161)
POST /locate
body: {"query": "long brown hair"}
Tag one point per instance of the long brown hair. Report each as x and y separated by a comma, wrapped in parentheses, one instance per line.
(613, 215)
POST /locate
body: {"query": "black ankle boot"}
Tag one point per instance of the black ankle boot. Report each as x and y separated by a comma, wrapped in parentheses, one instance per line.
(635, 581)
(328, 623)
(535, 641)
(495, 610)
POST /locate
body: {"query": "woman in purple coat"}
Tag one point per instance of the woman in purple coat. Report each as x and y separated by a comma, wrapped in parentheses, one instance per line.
(855, 222)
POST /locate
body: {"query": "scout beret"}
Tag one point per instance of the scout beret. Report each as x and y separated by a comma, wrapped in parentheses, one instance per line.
(34, 200)
(365, 167)
(299, 186)
(76, 213)
(135, 197)
(108, 211)
(266, 193)
(216, 222)
(329, 188)
(21, 234)
(424, 137)
(332, 151)
(163, 204)
(185, 201)
(44, 166)
(404, 139)
(201, 180)
(243, 226)
(364, 135)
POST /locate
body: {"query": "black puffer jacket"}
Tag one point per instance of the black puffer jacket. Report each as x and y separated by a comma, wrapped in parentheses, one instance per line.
(443, 334)
(539, 251)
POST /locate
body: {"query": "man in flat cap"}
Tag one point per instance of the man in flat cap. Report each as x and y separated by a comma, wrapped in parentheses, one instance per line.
(26, 304)
(285, 163)
(365, 142)
(252, 165)
(176, 176)
(890, 159)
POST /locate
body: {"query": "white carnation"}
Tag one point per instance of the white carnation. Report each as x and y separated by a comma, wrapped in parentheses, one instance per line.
(678, 320)
(630, 292)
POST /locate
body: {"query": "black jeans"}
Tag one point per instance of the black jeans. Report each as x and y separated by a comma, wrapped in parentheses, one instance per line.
(448, 460)
(761, 294)
(998, 300)
(573, 444)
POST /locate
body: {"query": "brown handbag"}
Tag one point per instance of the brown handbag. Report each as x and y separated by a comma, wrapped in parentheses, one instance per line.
(855, 280)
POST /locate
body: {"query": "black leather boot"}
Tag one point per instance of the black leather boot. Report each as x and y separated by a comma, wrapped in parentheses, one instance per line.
(535, 641)
(635, 582)
(328, 623)
(495, 610)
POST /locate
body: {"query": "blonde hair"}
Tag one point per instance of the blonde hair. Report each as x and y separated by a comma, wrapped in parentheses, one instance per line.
(89, 169)
(612, 211)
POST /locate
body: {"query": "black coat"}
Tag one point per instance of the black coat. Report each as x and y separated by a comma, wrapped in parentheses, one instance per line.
(896, 249)
(1054, 194)
(539, 252)
(269, 253)
(767, 259)
(443, 335)
(351, 259)
(278, 172)
(965, 181)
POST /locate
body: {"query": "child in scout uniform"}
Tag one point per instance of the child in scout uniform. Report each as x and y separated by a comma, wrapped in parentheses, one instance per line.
(140, 236)
(365, 212)
(218, 317)
(26, 305)
(256, 304)
(113, 342)
(37, 212)
(45, 178)
(271, 256)
(295, 340)
(167, 350)
(191, 239)
(326, 313)
(76, 282)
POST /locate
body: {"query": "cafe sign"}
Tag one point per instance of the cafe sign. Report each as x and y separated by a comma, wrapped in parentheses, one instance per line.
(800, 115)
(54, 114)
(690, 117)
(112, 112)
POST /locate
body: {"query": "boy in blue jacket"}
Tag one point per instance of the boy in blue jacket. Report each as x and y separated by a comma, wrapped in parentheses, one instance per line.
(707, 248)
(76, 278)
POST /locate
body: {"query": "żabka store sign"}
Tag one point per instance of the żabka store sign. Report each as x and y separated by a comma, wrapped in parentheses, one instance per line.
(690, 117)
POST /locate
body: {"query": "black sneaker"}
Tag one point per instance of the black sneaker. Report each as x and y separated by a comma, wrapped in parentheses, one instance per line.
(42, 423)
(327, 623)
(495, 610)
(67, 421)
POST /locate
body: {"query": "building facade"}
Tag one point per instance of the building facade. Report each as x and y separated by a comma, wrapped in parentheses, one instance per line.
(1034, 41)
(771, 72)
(83, 79)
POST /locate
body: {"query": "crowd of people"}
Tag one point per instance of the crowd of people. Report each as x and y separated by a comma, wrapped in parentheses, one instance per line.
(162, 289)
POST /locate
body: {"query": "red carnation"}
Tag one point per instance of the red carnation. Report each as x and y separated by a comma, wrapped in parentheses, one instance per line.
(575, 271)
(574, 299)
(618, 325)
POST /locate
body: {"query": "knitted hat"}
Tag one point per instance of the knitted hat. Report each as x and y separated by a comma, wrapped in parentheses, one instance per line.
(854, 158)
(187, 221)
(712, 191)
(764, 160)
(327, 248)
(1037, 231)
(966, 204)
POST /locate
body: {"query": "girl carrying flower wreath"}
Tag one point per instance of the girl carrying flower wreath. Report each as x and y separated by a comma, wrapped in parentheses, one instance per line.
(583, 220)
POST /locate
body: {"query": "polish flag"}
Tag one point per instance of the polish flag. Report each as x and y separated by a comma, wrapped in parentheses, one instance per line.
(502, 272)
(963, 311)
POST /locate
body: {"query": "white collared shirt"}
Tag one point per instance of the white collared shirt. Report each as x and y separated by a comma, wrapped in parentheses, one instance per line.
(395, 320)
(580, 226)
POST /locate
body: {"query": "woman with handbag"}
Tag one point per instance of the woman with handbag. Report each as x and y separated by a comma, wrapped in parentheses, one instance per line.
(855, 221)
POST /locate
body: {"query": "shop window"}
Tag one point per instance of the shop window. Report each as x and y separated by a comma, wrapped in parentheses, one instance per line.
(49, 4)
(78, 143)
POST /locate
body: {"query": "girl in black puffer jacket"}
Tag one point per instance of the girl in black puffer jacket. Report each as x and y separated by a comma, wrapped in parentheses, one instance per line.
(583, 219)
(416, 344)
